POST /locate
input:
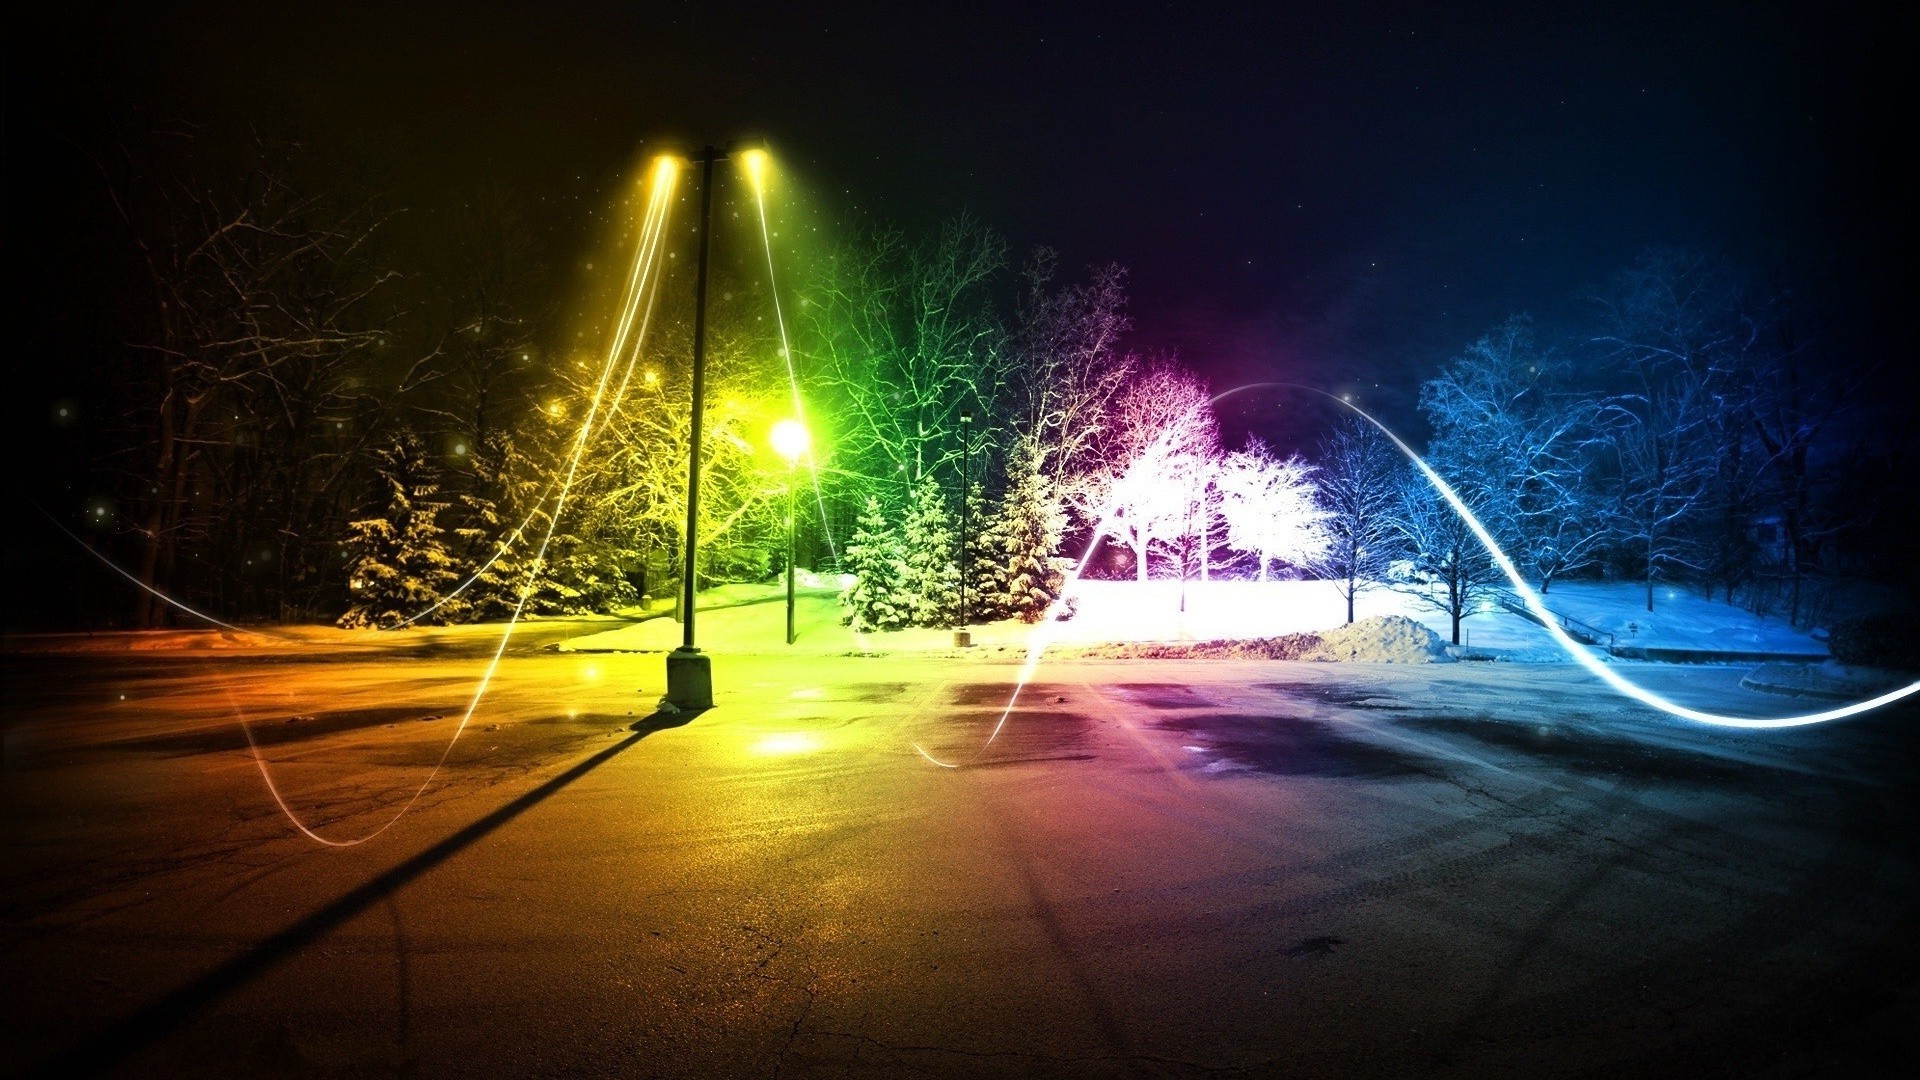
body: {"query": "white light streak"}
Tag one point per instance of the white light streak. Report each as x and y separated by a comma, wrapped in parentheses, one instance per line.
(637, 288)
(756, 176)
(1041, 638)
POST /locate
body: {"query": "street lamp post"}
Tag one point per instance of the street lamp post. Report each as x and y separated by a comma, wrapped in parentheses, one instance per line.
(790, 438)
(961, 635)
(689, 671)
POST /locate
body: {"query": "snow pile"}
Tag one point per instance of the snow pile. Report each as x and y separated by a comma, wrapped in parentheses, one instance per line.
(1284, 647)
(1383, 639)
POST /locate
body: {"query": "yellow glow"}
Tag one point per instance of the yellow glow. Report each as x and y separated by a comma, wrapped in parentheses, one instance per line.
(792, 742)
(653, 377)
(664, 168)
(790, 439)
(755, 162)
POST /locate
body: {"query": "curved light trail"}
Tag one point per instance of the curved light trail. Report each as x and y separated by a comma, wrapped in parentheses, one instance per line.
(755, 164)
(642, 287)
(1586, 659)
(653, 229)
(1041, 639)
(143, 586)
(636, 290)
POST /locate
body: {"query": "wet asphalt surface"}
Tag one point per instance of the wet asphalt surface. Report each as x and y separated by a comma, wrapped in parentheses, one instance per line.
(1158, 868)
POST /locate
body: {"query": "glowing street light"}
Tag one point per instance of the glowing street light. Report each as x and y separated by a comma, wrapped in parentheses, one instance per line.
(755, 161)
(790, 440)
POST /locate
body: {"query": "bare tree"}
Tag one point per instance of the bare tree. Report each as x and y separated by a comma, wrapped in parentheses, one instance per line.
(1163, 438)
(259, 293)
(1072, 370)
(1533, 439)
(1791, 412)
(632, 482)
(905, 337)
(488, 363)
(1270, 508)
(1359, 487)
(1676, 333)
(1451, 569)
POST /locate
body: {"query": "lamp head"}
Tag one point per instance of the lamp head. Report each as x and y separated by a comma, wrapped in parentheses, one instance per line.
(790, 439)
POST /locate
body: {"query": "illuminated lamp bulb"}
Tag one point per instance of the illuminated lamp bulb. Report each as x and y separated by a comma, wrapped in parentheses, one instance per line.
(755, 162)
(790, 439)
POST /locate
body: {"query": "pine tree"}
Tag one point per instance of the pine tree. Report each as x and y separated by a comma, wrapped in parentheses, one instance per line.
(877, 560)
(1026, 532)
(399, 563)
(931, 582)
(584, 569)
(492, 542)
(986, 560)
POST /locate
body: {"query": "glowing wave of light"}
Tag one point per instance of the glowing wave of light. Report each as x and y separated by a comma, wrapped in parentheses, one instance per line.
(1040, 639)
(756, 162)
(1586, 659)
(653, 229)
(150, 590)
(641, 287)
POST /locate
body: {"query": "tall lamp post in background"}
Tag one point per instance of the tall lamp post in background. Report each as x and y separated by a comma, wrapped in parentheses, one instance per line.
(962, 636)
(790, 439)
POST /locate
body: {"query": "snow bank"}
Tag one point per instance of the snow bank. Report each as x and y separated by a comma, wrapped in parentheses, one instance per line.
(1284, 647)
(1681, 619)
(1829, 679)
(1382, 639)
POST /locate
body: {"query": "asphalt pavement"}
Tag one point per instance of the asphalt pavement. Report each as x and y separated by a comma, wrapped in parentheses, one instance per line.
(1158, 868)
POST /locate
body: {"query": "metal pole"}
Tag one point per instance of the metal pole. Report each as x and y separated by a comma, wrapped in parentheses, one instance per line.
(792, 527)
(699, 402)
(966, 521)
(689, 672)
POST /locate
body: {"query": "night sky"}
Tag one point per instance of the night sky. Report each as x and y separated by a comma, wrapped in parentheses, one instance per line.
(1338, 193)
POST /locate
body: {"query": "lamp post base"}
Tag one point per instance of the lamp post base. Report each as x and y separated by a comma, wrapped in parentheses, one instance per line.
(689, 681)
(963, 639)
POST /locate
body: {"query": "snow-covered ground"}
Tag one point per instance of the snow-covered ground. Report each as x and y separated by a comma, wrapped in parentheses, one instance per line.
(1680, 619)
(306, 637)
(1207, 611)
(1163, 611)
(751, 618)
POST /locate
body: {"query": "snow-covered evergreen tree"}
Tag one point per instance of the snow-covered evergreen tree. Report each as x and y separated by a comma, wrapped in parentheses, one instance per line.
(931, 580)
(986, 565)
(583, 570)
(491, 541)
(398, 561)
(877, 561)
(1024, 533)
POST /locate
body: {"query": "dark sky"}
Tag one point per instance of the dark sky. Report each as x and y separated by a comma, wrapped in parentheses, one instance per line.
(1342, 193)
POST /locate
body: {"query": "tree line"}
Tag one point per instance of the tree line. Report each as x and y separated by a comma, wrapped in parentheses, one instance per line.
(292, 421)
(1695, 431)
